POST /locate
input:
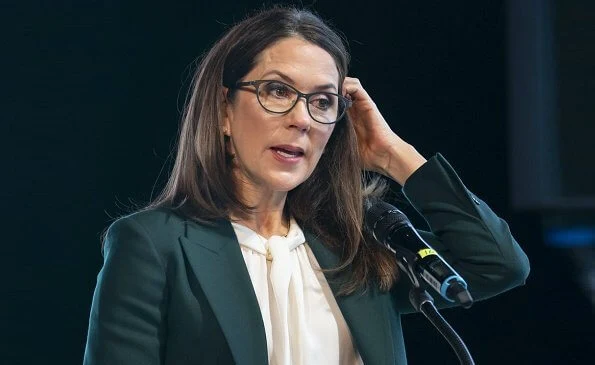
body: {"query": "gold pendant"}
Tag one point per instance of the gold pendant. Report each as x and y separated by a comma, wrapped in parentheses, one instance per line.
(268, 255)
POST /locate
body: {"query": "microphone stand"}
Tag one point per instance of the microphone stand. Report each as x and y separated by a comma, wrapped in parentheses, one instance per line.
(424, 303)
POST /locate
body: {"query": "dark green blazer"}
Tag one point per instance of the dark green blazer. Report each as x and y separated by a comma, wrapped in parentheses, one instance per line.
(172, 291)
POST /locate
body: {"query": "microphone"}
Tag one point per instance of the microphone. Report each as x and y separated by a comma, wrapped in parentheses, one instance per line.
(392, 228)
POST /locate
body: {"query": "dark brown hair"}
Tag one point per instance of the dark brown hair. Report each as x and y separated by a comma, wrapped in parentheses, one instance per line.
(329, 203)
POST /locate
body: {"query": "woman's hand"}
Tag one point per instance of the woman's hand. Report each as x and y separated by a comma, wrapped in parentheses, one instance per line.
(381, 150)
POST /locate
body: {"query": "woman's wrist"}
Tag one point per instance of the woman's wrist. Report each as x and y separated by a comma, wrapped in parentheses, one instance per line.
(403, 162)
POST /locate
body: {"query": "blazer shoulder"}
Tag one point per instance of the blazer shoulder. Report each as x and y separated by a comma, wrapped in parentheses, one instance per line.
(163, 226)
(160, 226)
(153, 220)
(156, 217)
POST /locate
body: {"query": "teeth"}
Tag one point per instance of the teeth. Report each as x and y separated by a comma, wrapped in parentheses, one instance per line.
(286, 153)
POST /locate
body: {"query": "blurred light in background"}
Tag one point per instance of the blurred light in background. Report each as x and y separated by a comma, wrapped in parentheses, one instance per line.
(552, 124)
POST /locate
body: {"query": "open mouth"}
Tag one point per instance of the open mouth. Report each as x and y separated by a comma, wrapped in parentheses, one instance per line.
(288, 152)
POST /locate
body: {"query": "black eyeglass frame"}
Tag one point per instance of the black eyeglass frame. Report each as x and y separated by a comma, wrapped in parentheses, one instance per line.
(257, 83)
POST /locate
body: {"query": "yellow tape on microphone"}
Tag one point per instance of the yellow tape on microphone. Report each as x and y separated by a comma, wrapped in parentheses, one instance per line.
(426, 252)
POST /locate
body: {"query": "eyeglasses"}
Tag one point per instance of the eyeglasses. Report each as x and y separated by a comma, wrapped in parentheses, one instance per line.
(278, 97)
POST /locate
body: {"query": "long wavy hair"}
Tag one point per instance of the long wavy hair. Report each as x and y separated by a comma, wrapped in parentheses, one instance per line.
(329, 203)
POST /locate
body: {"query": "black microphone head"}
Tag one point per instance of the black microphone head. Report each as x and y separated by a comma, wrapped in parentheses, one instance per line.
(381, 218)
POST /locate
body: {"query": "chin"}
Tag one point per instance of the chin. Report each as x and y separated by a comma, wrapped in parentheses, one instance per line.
(285, 187)
(286, 183)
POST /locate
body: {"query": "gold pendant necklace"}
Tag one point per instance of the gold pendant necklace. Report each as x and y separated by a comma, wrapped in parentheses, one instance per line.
(269, 256)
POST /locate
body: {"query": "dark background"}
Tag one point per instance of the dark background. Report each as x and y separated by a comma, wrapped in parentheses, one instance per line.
(91, 100)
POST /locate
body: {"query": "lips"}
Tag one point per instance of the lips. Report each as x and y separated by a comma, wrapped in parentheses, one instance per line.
(288, 151)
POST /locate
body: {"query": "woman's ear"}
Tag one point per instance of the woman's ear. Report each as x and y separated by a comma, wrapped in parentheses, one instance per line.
(227, 114)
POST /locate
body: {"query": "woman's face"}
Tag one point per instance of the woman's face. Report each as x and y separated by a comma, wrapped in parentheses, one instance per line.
(277, 152)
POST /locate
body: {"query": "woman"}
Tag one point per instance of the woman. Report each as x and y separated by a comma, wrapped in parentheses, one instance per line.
(224, 267)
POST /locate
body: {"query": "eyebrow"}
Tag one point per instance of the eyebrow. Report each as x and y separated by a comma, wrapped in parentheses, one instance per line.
(291, 81)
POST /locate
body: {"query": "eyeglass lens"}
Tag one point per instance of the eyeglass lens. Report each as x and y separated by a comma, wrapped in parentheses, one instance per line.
(279, 97)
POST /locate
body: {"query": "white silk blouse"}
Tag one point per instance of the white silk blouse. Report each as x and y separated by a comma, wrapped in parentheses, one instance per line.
(302, 320)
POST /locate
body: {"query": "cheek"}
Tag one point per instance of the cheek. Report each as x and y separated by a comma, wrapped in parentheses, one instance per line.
(246, 128)
(246, 113)
(321, 142)
(325, 136)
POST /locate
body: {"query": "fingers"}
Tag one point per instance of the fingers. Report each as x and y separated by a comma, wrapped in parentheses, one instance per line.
(364, 113)
(352, 88)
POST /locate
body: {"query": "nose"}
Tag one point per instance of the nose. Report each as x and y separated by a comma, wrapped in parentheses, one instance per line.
(299, 117)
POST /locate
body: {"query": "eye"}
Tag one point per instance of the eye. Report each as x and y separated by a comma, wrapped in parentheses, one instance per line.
(278, 90)
(322, 101)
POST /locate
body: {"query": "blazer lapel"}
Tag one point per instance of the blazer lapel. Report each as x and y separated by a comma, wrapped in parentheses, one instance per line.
(216, 260)
(366, 313)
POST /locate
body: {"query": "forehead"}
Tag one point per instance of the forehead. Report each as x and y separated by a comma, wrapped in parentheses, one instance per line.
(304, 62)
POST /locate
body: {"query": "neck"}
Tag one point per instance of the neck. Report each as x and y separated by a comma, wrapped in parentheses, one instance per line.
(268, 217)
(265, 223)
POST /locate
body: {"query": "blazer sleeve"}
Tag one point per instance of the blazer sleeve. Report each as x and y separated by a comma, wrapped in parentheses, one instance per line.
(126, 319)
(465, 232)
